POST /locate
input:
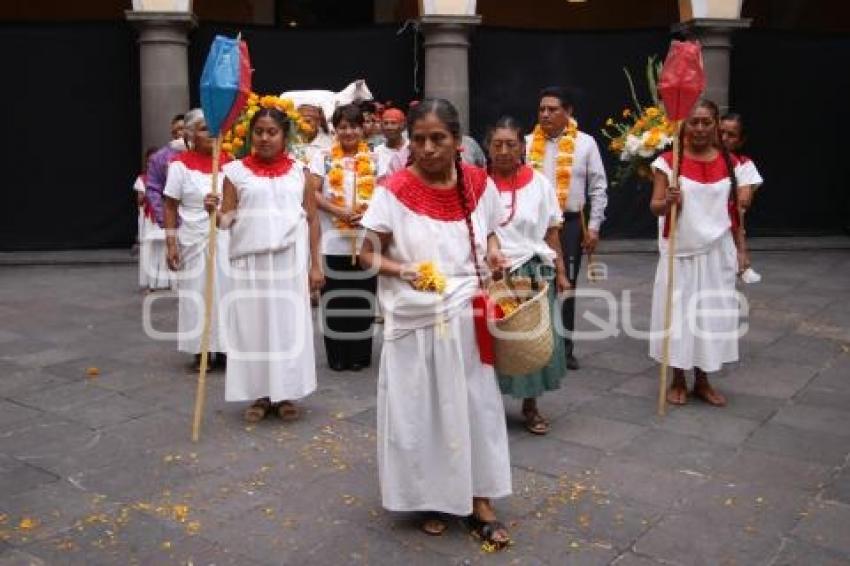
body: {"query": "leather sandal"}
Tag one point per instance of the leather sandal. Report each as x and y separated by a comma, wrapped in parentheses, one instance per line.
(258, 410)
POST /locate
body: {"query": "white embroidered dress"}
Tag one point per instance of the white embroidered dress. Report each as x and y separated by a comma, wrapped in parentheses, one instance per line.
(189, 181)
(442, 437)
(269, 322)
(704, 322)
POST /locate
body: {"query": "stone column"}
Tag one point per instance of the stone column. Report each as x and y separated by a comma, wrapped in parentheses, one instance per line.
(447, 59)
(715, 35)
(164, 70)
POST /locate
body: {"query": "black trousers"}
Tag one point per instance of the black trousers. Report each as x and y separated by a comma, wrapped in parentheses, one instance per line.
(345, 310)
(571, 237)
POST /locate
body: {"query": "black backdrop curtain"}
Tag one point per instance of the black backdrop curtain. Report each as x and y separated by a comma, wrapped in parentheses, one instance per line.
(70, 146)
(71, 104)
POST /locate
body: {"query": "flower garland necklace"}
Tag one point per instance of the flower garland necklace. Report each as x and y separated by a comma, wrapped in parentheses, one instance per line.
(364, 175)
(563, 161)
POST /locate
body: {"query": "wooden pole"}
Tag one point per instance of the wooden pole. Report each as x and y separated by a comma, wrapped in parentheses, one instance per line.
(354, 210)
(590, 274)
(208, 297)
(668, 301)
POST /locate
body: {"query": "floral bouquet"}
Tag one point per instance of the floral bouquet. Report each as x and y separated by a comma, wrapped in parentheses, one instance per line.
(643, 132)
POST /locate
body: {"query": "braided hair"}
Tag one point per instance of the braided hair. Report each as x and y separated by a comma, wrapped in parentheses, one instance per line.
(448, 115)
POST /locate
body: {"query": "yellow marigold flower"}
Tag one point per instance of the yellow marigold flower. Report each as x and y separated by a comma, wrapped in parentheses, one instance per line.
(305, 126)
(566, 144)
(288, 105)
(429, 278)
(652, 112)
(564, 160)
(336, 151)
(238, 143)
(626, 112)
(250, 112)
(268, 101)
(227, 146)
(240, 130)
(364, 168)
(335, 177)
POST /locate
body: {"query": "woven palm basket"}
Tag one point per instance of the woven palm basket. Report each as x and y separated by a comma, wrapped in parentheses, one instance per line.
(522, 340)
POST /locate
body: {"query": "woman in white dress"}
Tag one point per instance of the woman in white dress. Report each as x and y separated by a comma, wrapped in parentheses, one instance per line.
(274, 264)
(529, 237)
(442, 439)
(704, 323)
(187, 227)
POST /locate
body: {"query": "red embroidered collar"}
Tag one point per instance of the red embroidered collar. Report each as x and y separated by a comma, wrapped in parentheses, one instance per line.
(437, 203)
(705, 172)
(197, 161)
(275, 168)
(519, 180)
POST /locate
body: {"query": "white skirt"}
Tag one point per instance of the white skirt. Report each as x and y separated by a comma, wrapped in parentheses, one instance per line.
(704, 322)
(153, 268)
(442, 437)
(191, 283)
(269, 327)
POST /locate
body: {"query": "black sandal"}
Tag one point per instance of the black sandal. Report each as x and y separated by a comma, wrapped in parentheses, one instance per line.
(486, 531)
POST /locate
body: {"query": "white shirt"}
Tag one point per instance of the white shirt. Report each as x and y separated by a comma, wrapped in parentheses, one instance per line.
(269, 212)
(190, 186)
(334, 241)
(418, 238)
(704, 215)
(588, 176)
(536, 211)
(305, 152)
(385, 155)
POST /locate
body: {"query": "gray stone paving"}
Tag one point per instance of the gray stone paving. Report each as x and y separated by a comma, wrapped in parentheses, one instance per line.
(100, 469)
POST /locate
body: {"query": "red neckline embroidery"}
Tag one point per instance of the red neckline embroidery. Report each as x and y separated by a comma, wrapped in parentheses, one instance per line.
(198, 161)
(705, 172)
(522, 178)
(437, 203)
(280, 166)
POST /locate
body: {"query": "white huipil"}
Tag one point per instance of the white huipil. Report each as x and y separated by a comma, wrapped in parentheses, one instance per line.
(189, 181)
(269, 321)
(524, 223)
(442, 437)
(704, 321)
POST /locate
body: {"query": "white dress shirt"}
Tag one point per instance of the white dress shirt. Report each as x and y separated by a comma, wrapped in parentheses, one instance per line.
(588, 176)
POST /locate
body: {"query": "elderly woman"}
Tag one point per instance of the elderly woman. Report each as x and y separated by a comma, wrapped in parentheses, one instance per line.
(187, 236)
(529, 236)
(343, 178)
(274, 262)
(442, 440)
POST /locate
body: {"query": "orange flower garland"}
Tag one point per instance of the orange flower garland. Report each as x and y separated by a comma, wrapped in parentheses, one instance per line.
(236, 138)
(364, 169)
(563, 161)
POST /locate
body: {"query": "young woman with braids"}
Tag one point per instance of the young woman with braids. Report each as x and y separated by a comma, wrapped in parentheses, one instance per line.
(442, 439)
(704, 322)
(529, 237)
